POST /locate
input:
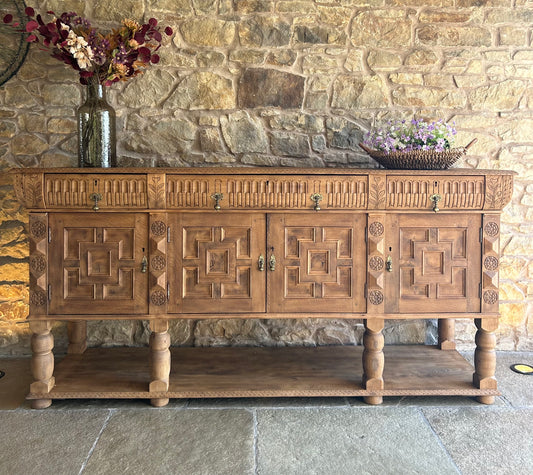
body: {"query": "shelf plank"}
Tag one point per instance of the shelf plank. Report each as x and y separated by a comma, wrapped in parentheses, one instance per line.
(118, 373)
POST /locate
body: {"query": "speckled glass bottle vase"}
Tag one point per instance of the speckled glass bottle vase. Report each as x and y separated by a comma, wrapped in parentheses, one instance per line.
(97, 144)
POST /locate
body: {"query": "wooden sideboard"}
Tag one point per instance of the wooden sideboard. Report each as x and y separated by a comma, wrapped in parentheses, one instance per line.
(163, 243)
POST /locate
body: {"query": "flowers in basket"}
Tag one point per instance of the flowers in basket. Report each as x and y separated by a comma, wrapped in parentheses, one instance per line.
(103, 57)
(406, 136)
(416, 145)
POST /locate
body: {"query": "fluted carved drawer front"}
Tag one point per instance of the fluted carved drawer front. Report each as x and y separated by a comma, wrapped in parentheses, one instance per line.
(80, 190)
(452, 192)
(320, 263)
(267, 192)
(214, 263)
(96, 264)
(435, 263)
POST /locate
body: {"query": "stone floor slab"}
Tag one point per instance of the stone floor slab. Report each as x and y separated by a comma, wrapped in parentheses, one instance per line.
(487, 439)
(348, 440)
(14, 386)
(187, 442)
(46, 442)
(517, 389)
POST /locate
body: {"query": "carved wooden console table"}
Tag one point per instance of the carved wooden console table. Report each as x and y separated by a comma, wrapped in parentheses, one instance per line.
(160, 244)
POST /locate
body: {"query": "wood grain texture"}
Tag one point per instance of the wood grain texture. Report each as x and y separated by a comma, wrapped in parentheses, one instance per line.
(187, 243)
(260, 188)
(264, 372)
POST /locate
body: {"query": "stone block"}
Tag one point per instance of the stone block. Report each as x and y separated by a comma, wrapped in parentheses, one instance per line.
(424, 59)
(437, 35)
(202, 90)
(342, 133)
(354, 93)
(281, 57)
(512, 36)
(428, 97)
(289, 144)
(244, 134)
(271, 31)
(381, 60)
(381, 28)
(297, 121)
(316, 34)
(210, 140)
(268, 87)
(148, 90)
(105, 10)
(498, 97)
(318, 63)
(208, 31)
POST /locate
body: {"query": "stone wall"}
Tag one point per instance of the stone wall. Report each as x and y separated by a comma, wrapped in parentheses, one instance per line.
(288, 83)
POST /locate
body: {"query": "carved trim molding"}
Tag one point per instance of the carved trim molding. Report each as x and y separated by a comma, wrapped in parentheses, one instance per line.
(158, 263)
(490, 253)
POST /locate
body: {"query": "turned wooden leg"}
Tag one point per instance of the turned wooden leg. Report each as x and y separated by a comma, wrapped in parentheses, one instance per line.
(42, 363)
(77, 337)
(373, 358)
(159, 360)
(447, 334)
(485, 357)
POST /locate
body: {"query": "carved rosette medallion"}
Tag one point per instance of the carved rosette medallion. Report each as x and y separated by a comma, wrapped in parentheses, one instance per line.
(375, 297)
(492, 229)
(490, 297)
(376, 263)
(158, 262)
(376, 229)
(37, 264)
(158, 228)
(38, 229)
(158, 297)
(490, 263)
(38, 298)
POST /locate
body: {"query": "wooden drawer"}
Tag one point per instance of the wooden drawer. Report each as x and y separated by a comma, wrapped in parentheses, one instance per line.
(75, 190)
(266, 192)
(415, 191)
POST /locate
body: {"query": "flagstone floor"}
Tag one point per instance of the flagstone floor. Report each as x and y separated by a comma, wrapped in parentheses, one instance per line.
(448, 435)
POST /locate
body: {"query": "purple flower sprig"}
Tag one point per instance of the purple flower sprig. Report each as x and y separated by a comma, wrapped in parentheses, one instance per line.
(405, 136)
(102, 57)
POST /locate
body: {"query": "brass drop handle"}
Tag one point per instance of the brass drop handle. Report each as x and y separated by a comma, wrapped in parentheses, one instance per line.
(144, 265)
(96, 197)
(317, 198)
(272, 263)
(388, 264)
(217, 197)
(435, 198)
(261, 263)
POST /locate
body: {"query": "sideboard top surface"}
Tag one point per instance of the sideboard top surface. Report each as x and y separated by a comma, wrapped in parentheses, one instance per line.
(260, 171)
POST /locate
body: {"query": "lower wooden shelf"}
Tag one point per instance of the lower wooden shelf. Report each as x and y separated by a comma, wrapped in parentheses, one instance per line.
(124, 373)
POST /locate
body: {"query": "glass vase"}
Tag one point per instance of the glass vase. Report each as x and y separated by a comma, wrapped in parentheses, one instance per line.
(97, 146)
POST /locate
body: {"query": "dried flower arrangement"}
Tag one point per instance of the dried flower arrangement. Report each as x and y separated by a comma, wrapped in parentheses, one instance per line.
(105, 57)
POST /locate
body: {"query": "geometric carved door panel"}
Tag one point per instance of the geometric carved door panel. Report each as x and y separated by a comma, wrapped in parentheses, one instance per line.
(320, 263)
(98, 261)
(215, 264)
(438, 263)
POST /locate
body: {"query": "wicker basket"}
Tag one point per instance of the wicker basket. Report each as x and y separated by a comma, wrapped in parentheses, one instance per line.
(418, 159)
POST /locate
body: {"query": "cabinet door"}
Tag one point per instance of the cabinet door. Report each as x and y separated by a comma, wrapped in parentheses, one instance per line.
(214, 267)
(95, 264)
(320, 263)
(436, 263)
